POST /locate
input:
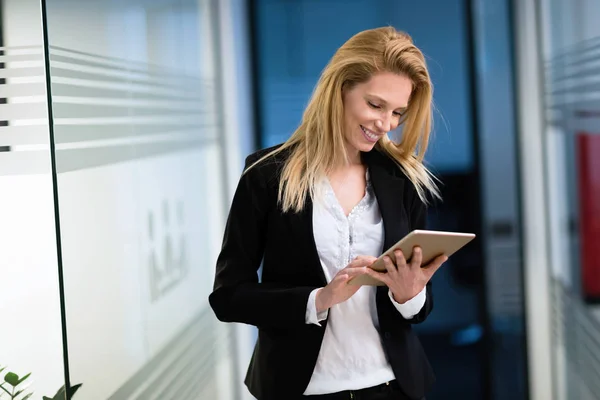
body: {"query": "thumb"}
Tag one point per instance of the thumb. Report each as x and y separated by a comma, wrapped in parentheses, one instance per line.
(365, 260)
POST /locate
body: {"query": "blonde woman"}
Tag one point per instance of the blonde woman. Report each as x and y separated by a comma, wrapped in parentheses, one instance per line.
(316, 211)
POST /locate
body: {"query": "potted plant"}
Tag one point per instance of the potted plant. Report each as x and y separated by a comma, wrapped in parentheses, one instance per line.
(13, 387)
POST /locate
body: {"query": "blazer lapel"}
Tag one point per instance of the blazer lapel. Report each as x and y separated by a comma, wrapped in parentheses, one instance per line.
(303, 224)
(389, 190)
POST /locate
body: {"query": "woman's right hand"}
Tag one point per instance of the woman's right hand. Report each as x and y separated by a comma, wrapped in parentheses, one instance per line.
(338, 290)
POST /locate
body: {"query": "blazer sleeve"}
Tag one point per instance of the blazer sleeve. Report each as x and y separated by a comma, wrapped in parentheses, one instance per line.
(237, 295)
(417, 216)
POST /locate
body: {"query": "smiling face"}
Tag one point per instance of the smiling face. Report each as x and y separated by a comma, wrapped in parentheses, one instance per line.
(373, 108)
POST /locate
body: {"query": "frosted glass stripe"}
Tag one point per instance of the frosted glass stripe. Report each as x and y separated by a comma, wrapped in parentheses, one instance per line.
(576, 75)
(23, 111)
(36, 159)
(112, 72)
(132, 86)
(124, 102)
(119, 70)
(583, 46)
(108, 61)
(22, 89)
(21, 49)
(31, 47)
(136, 140)
(62, 110)
(68, 71)
(24, 135)
(137, 73)
(136, 120)
(580, 88)
(71, 134)
(573, 63)
(77, 159)
(201, 333)
(21, 72)
(21, 57)
(80, 88)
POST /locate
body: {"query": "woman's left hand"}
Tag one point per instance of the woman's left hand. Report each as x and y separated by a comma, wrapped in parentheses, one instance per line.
(407, 279)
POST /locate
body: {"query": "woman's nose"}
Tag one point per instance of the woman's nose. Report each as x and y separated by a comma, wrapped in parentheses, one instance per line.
(383, 124)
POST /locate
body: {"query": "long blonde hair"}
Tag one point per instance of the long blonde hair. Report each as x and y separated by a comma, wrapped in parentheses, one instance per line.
(317, 145)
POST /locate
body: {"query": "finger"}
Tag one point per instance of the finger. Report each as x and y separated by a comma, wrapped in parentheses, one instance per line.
(347, 281)
(365, 258)
(341, 278)
(389, 265)
(362, 261)
(380, 276)
(416, 258)
(433, 266)
(400, 259)
(355, 271)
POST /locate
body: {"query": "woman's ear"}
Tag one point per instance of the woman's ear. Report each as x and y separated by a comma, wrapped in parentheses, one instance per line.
(344, 88)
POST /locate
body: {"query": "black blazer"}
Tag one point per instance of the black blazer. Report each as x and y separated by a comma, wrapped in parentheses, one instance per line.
(257, 230)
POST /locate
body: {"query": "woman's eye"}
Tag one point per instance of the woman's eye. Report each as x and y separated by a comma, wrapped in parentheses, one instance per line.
(373, 105)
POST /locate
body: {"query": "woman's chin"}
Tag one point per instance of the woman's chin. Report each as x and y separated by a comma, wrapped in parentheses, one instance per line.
(365, 147)
(361, 146)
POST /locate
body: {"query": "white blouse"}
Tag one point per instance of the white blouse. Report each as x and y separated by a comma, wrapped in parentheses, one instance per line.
(351, 355)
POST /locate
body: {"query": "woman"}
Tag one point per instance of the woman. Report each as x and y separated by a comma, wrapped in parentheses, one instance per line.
(316, 211)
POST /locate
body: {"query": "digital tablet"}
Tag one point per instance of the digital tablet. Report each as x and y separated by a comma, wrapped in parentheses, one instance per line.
(432, 243)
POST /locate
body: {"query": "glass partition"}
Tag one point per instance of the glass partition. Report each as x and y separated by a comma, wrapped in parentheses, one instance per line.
(139, 171)
(570, 51)
(137, 200)
(30, 313)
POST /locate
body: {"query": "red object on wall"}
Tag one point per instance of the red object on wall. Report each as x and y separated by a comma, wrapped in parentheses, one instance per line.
(588, 148)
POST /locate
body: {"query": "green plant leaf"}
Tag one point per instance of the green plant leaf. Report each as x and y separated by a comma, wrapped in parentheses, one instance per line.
(27, 396)
(74, 389)
(12, 379)
(3, 388)
(23, 378)
(60, 395)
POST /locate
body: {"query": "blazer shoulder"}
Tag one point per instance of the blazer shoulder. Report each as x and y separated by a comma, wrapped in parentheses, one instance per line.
(278, 158)
(257, 155)
(269, 169)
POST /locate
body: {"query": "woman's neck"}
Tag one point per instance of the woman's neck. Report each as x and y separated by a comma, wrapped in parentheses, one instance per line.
(353, 157)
